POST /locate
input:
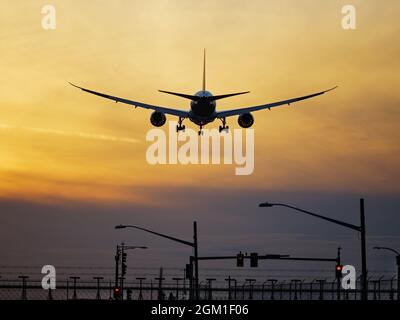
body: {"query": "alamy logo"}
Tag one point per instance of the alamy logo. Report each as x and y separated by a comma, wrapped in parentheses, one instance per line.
(349, 277)
(188, 147)
(49, 280)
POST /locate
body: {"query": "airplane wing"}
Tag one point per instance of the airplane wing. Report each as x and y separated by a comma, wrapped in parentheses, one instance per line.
(229, 113)
(174, 112)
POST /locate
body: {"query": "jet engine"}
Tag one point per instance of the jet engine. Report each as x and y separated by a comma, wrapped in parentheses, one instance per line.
(245, 120)
(158, 119)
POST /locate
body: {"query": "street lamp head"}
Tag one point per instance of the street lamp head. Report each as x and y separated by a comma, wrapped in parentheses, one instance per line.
(265, 205)
(120, 227)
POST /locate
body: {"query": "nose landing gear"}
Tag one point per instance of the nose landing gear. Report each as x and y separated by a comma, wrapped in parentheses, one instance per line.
(224, 127)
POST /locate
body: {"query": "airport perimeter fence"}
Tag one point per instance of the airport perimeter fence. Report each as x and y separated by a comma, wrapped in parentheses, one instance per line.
(271, 289)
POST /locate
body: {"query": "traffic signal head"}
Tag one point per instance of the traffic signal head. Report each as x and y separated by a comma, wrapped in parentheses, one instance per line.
(189, 271)
(124, 257)
(123, 265)
(240, 260)
(338, 271)
(123, 269)
(117, 293)
(254, 260)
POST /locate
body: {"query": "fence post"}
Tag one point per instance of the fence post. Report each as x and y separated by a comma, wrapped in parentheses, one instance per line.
(23, 295)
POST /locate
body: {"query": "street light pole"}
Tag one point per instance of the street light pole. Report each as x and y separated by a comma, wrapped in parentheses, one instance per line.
(193, 244)
(398, 266)
(361, 229)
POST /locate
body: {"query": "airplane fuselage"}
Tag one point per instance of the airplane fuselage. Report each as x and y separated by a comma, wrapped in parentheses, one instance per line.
(202, 110)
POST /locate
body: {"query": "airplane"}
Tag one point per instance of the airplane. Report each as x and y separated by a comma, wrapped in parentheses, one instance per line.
(203, 107)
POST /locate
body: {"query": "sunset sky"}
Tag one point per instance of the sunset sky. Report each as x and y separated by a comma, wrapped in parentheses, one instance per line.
(65, 153)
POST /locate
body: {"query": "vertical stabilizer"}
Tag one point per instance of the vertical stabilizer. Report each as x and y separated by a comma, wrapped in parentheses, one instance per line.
(204, 70)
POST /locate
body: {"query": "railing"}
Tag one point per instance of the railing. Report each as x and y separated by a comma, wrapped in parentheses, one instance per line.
(292, 289)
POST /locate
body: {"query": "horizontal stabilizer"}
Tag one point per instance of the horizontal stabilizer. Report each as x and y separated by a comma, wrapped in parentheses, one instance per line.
(182, 95)
(223, 96)
(209, 98)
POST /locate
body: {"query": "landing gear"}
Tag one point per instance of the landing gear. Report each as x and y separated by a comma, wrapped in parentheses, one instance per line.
(224, 126)
(180, 127)
(201, 130)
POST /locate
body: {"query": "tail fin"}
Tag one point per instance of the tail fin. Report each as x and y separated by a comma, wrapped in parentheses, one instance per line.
(204, 70)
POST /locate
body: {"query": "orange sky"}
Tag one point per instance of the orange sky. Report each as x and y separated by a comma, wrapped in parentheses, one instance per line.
(58, 142)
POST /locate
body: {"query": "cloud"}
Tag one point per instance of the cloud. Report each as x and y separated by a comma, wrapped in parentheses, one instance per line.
(83, 135)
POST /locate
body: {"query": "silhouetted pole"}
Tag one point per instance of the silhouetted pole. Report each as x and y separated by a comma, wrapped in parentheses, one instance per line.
(398, 277)
(193, 244)
(74, 296)
(339, 279)
(140, 287)
(229, 287)
(273, 281)
(361, 229)
(117, 258)
(177, 286)
(251, 283)
(24, 295)
(321, 289)
(210, 280)
(398, 266)
(229, 279)
(364, 292)
(196, 260)
(98, 297)
(295, 282)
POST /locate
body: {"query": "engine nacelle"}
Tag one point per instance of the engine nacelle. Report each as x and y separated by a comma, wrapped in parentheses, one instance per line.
(158, 119)
(245, 120)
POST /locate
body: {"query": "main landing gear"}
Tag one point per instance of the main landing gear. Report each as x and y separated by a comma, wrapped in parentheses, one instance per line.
(224, 126)
(180, 127)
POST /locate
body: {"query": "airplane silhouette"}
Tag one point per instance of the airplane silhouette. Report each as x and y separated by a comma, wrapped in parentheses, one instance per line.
(202, 107)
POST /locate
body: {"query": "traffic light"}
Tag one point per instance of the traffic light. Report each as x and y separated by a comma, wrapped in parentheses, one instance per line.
(123, 265)
(338, 271)
(254, 260)
(240, 259)
(189, 271)
(117, 293)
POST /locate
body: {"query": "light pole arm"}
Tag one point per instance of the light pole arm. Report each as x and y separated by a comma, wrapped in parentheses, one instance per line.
(344, 224)
(389, 249)
(160, 235)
